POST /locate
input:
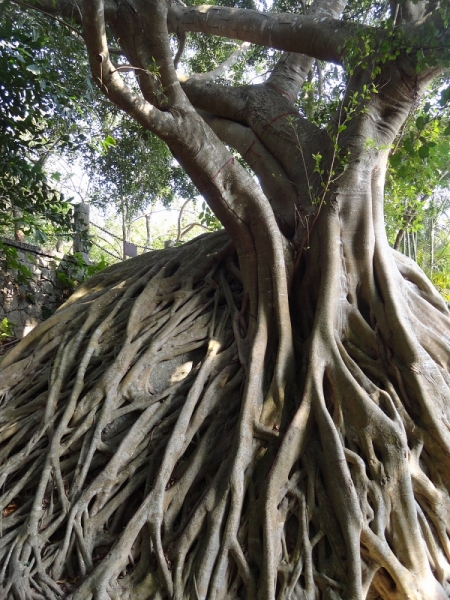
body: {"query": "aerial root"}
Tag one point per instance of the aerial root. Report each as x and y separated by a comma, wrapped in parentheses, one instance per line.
(361, 397)
(390, 523)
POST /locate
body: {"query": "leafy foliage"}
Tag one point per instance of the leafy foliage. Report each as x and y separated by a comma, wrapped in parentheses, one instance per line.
(75, 270)
(28, 99)
(208, 218)
(131, 170)
(12, 262)
(418, 168)
(6, 329)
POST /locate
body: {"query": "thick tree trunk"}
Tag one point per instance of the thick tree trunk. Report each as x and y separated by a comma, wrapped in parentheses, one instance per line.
(159, 440)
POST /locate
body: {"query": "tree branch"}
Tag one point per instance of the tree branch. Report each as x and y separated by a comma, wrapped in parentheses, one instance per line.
(290, 73)
(224, 101)
(70, 8)
(180, 216)
(47, 14)
(323, 38)
(107, 77)
(181, 45)
(291, 70)
(408, 12)
(274, 181)
(141, 27)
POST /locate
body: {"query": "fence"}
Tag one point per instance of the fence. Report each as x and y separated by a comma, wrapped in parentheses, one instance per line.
(30, 289)
(27, 300)
(81, 242)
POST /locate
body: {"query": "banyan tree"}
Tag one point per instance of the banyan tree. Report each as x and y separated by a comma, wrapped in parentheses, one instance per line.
(263, 412)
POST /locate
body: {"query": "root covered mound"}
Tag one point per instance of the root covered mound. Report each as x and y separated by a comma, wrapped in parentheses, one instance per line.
(138, 461)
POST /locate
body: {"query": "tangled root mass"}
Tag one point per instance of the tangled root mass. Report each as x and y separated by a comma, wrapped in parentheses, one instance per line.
(134, 464)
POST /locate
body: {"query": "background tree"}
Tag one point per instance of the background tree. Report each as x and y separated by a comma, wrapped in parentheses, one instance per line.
(132, 170)
(417, 187)
(262, 412)
(27, 197)
(63, 130)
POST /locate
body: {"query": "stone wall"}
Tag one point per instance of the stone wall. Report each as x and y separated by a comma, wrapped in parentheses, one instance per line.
(26, 302)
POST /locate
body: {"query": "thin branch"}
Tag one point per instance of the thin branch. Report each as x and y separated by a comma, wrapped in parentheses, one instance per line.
(181, 44)
(191, 226)
(180, 217)
(128, 68)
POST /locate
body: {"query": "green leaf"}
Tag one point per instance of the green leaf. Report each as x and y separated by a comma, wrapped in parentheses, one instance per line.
(6, 329)
(33, 69)
(420, 122)
(445, 96)
(424, 151)
(403, 172)
(108, 142)
(395, 159)
(40, 236)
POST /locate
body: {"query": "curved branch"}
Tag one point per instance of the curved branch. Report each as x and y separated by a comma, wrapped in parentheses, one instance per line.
(190, 227)
(272, 177)
(107, 76)
(141, 28)
(277, 125)
(71, 8)
(180, 216)
(290, 74)
(224, 101)
(292, 69)
(180, 50)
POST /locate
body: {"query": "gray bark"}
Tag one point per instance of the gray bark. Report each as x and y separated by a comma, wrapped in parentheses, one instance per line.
(260, 413)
